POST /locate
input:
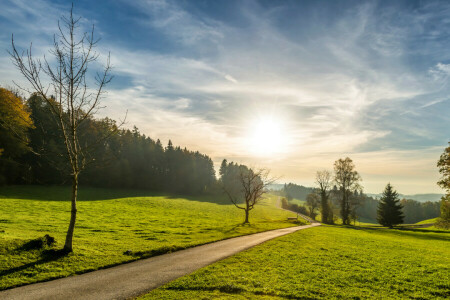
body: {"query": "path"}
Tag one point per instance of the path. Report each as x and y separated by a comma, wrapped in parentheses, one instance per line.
(138, 277)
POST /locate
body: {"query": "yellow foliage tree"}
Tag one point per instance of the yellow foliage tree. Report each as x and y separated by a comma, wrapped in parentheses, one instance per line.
(14, 124)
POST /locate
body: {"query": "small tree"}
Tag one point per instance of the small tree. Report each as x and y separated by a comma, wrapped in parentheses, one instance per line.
(72, 102)
(249, 188)
(313, 203)
(347, 181)
(323, 181)
(389, 208)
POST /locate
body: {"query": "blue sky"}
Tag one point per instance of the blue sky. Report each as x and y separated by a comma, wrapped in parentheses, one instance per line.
(368, 80)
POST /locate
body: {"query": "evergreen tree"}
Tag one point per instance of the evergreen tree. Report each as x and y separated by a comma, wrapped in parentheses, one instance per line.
(389, 209)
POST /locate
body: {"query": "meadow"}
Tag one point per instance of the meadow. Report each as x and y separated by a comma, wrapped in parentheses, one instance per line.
(327, 262)
(113, 227)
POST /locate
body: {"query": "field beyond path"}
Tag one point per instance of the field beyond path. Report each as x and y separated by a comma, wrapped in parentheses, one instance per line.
(136, 278)
(327, 262)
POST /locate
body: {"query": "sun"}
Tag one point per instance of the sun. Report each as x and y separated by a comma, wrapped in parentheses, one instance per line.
(266, 137)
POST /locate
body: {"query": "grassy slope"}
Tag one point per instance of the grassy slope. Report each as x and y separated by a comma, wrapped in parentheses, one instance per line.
(326, 263)
(297, 201)
(429, 221)
(107, 228)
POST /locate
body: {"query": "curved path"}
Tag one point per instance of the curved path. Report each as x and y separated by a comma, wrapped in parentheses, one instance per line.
(138, 277)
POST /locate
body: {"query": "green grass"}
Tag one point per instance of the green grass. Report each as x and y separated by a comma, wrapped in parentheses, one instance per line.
(107, 228)
(327, 262)
(429, 221)
(298, 202)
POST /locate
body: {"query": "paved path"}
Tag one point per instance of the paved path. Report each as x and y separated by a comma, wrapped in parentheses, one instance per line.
(138, 277)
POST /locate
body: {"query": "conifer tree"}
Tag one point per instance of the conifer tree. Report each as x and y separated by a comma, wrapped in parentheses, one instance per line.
(389, 209)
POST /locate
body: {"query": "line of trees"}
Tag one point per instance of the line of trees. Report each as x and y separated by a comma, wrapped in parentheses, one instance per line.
(339, 194)
(127, 159)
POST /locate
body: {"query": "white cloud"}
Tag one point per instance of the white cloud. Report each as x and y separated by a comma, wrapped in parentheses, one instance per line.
(440, 71)
(182, 103)
(325, 85)
(230, 78)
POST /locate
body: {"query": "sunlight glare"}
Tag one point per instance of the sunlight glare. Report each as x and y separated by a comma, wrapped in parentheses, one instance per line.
(266, 137)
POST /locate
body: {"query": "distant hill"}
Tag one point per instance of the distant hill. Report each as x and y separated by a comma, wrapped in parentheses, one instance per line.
(275, 186)
(418, 197)
(291, 190)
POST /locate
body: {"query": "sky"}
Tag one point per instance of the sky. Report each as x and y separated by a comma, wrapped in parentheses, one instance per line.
(291, 86)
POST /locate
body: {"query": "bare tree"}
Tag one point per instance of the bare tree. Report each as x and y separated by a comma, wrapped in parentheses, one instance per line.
(72, 102)
(312, 202)
(348, 182)
(323, 181)
(249, 188)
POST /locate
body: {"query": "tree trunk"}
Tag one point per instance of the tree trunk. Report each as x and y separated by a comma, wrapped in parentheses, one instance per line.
(73, 215)
(246, 216)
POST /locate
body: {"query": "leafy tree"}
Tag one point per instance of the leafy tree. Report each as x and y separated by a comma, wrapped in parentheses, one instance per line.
(444, 220)
(313, 203)
(444, 168)
(46, 164)
(223, 168)
(74, 103)
(284, 203)
(389, 208)
(347, 181)
(15, 122)
(245, 187)
(323, 180)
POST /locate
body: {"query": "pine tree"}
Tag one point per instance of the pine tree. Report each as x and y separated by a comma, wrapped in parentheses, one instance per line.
(389, 209)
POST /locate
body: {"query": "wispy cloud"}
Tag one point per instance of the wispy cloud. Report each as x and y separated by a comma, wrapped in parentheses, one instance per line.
(362, 80)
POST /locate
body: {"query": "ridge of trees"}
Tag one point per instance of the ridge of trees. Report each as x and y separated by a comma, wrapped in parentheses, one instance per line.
(128, 159)
(413, 210)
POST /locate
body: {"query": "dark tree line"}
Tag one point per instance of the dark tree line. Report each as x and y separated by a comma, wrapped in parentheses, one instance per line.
(127, 159)
(292, 190)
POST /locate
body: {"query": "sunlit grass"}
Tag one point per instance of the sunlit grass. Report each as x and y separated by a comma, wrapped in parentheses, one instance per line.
(107, 228)
(429, 221)
(327, 262)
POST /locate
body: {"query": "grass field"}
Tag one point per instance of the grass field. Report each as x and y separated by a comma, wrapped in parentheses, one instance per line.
(327, 262)
(107, 227)
(297, 201)
(429, 221)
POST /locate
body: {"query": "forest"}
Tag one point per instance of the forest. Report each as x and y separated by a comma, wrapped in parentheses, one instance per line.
(33, 153)
(120, 158)
(366, 210)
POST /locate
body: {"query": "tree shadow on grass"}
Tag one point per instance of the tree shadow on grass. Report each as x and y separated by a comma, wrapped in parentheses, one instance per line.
(410, 232)
(238, 226)
(86, 193)
(210, 198)
(47, 256)
(63, 193)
